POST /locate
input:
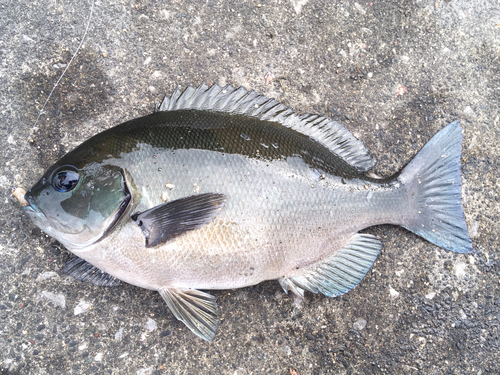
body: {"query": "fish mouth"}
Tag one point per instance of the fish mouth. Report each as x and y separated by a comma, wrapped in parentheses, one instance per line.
(31, 206)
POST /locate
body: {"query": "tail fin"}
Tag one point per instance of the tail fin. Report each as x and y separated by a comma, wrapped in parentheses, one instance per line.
(433, 180)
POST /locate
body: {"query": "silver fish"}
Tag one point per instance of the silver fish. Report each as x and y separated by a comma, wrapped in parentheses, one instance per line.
(222, 188)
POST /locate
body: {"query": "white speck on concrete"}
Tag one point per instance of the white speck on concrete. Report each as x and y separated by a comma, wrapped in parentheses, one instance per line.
(150, 325)
(366, 31)
(472, 143)
(145, 371)
(56, 299)
(474, 230)
(98, 357)
(460, 269)
(393, 293)
(400, 272)
(423, 341)
(469, 112)
(359, 8)
(83, 346)
(27, 39)
(430, 295)
(82, 307)
(165, 14)
(123, 355)
(45, 276)
(286, 349)
(119, 334)
(298, 4)
(59, 66)
(4, 181)
(359, 325)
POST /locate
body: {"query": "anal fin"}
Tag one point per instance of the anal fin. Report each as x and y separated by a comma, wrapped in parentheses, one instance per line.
(338, 273)
(197, 310)
(84, 271)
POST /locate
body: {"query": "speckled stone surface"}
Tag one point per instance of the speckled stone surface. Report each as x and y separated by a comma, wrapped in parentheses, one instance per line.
(392, 72)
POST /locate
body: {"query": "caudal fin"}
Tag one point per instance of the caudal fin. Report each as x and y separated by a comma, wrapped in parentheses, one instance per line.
(433, 180)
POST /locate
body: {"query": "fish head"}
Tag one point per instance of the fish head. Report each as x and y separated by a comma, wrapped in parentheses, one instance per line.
(78, 204)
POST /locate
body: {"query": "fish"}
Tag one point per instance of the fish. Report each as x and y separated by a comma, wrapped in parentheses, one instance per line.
(223, 188)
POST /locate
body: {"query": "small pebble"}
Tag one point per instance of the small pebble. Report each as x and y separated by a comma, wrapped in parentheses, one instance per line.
(359, 325)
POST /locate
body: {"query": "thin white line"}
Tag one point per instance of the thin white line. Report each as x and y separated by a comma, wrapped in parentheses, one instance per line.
(41, 112)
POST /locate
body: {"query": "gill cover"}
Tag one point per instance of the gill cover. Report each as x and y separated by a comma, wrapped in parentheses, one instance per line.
(78, 207)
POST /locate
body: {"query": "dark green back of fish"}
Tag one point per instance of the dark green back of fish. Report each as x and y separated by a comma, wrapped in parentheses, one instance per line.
(214, 131)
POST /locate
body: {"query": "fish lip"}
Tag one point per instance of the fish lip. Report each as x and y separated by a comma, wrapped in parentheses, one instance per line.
(31, 207)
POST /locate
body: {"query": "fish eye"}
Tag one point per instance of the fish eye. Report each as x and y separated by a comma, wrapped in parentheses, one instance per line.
(65, 179)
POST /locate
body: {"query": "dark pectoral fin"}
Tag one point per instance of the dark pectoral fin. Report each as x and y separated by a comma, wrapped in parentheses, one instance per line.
(338, 273)
(197, 310)
(84, 271)
(169, 220)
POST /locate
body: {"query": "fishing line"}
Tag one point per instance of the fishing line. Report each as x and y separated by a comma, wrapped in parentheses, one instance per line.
(41, 112)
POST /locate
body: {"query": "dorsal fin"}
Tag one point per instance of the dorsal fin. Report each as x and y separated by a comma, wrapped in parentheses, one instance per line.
(240, 101)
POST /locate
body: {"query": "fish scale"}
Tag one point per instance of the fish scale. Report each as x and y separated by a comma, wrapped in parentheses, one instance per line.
(222, 188)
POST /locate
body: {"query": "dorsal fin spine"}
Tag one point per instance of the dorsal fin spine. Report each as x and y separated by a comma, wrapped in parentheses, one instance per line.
(228, 99)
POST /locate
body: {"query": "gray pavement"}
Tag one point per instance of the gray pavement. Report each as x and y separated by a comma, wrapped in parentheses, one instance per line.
(393, 72)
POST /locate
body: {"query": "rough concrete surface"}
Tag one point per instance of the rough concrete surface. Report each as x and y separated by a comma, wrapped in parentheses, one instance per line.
(393, 72)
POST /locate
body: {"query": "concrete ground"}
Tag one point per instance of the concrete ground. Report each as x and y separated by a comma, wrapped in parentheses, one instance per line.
(393, 72)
